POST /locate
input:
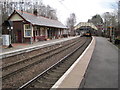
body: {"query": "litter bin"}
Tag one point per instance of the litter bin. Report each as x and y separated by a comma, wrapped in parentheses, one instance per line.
(6, 40)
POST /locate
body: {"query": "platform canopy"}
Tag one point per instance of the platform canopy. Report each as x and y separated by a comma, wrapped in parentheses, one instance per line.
(82, 24)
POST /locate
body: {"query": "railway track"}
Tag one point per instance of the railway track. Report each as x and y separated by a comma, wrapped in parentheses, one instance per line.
(18, 66)
(48, 77)
(9, 76)
(26, 63)
(31, 53)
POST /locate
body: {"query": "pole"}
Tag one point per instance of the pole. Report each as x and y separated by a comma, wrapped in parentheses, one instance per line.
(31, 41)
(10, 34)
(110, 34)
(113, 24)
(106, 29)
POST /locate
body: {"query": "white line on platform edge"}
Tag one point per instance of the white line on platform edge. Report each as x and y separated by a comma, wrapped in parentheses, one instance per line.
(57, 84)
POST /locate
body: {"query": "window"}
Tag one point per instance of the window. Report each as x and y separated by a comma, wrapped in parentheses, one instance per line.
(27, 30)
(27, 26)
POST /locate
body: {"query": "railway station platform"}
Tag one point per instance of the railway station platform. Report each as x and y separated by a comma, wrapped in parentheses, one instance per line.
(22, 47)
(97, 67)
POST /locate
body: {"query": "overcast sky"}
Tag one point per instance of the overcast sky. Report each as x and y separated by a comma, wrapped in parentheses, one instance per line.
(84, 9)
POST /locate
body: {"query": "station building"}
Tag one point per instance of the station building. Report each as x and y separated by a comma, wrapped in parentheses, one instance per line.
(27, 27)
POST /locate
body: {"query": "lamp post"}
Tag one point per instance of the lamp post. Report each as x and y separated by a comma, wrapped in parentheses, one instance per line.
(10, 35)
(110, 33)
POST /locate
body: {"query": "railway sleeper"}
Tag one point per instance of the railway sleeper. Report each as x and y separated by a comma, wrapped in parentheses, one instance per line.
(54, 74)
(51, 77)
(42, 82)
(56, 71)
(63, 66)
(45, 82)
(60, 69)
(50, 73)
(39, 85)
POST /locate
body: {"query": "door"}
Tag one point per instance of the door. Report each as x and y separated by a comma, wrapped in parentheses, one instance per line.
(19, 36)
(34, 35)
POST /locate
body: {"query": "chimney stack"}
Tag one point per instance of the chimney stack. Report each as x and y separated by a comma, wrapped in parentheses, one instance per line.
(35, 12)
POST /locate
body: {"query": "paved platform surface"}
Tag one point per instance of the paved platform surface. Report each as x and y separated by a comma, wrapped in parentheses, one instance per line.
(19, 47)
(103, 68)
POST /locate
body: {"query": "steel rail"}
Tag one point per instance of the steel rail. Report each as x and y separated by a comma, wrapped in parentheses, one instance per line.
(53, 66)
(23, 60)
(34, 63)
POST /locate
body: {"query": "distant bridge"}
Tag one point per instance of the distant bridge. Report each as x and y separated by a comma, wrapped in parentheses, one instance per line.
(85, 25)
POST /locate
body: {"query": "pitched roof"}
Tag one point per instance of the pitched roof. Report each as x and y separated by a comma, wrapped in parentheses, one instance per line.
(39, 20)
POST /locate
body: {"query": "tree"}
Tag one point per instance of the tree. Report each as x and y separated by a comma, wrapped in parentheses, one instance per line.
(71, 22)
(29, 6)
(119, 17)
(116, 14)
(110, 20)
(98, 22)
(96, 19)
(50, 12)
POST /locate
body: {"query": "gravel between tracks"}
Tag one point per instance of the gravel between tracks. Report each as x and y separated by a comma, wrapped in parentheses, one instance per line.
(17, 80)
(49, 78)
(39, 57)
